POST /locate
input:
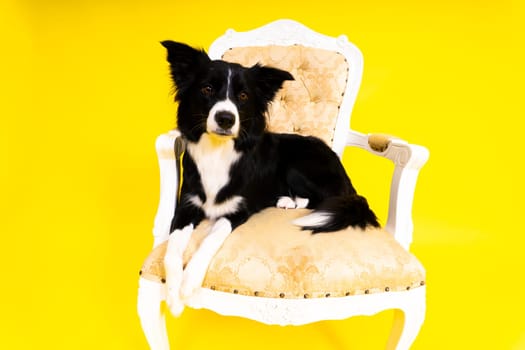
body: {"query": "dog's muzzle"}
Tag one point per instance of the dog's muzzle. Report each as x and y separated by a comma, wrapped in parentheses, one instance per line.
(223, 119)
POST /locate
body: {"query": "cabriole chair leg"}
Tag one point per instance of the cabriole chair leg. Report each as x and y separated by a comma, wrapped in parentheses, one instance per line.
(405, 328)
(152, 317)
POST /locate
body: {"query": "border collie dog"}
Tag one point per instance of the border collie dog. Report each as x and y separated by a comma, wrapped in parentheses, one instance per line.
(233, 167)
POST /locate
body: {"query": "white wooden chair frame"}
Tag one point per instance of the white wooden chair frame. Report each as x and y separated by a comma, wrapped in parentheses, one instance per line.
(409, 305)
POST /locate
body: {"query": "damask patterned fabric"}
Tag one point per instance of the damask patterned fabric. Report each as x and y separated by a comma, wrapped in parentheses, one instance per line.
(270, 257)
(309, 104)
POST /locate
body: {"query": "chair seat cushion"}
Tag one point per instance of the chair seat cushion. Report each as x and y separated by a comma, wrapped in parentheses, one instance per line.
(269, 257)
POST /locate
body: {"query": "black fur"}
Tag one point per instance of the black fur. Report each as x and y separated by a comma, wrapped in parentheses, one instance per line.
(270, 165)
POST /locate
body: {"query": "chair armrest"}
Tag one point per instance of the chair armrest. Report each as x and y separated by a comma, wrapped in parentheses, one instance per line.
(169, 184)
(408, 159)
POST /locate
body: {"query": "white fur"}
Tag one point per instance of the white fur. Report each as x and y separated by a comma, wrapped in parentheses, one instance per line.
(223, 106)
(196, 269)
(301, 203)
(285, 202)
(317, 218)
(214, 155)
(213, 210)
(195, 200)
(177, 243)
(228, 83)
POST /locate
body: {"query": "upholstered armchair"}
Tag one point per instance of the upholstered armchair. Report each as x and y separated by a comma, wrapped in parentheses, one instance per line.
(269, 270)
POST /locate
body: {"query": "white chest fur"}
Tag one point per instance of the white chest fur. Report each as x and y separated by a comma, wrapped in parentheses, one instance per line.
(214, 156)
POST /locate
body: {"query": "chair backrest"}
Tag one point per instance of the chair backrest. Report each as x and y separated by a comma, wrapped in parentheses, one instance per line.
(327, 72)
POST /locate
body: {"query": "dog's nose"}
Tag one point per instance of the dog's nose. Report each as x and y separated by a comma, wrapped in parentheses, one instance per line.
(225, 119)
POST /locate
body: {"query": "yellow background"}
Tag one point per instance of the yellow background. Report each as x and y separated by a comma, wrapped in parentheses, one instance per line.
(85, 91)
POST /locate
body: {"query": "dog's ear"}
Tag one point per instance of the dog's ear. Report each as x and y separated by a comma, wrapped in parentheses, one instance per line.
(183, 60)
(269, 80)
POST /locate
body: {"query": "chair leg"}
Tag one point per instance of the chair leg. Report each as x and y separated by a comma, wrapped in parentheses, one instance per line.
(405, 328)
(152, 318)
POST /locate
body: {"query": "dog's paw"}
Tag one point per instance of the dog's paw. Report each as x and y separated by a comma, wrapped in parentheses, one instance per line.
(301, 203)
(177, 243)
(190, 286)
(289, 203)
(197, 267)
(173, 282)
(173, 266)
(174, 301)
(286, 203)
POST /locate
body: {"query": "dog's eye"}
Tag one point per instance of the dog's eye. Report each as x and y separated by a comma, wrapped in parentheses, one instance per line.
(207, 90)
(243, 96)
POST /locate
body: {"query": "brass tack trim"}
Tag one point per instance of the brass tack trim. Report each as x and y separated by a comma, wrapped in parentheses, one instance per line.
(367, 291)
(347, 294)
(140, 273)
(408, 287)
(306, 296)
(212, 287)
(256, 293)
(422, 283)
(327, 295)
(387, 289)
(163, 280)
(235, 291)
(281, 295)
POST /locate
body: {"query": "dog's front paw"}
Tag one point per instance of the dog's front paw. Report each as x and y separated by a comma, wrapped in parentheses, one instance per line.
(173, 266)
(197, 267)
(173, 283)
(177, 243)
(190, 285)
(174, 301)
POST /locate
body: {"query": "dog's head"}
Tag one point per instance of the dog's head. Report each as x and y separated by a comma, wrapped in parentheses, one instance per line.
(219, 97)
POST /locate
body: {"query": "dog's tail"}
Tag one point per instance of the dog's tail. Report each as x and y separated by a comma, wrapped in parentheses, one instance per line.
(337, 213)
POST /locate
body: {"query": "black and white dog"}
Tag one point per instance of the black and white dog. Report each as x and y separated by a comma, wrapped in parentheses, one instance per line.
(233, 167)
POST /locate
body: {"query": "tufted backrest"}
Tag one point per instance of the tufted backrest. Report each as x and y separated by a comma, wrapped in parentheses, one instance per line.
(309, 105)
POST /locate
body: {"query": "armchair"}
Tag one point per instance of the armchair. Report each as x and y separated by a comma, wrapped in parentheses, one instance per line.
(295, 278)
